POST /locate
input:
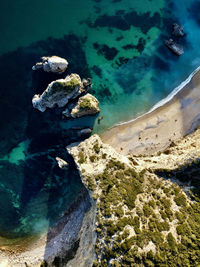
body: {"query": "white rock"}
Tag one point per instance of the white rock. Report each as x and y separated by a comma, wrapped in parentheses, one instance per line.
(86, 105)
(62, 163)
(57, 93)
(52, 64)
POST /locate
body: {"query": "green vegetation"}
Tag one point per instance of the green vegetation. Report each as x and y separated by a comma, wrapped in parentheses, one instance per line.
(180, 200)
(96, 148)
(85, 104)
(93, 158)
(81, 157)
(65, 87)
(43, 264)
(143, 202)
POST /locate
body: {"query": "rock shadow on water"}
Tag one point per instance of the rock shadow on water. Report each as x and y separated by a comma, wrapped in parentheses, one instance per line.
(40, 188)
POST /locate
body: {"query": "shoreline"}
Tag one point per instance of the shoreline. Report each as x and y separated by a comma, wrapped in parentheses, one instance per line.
(170, 119)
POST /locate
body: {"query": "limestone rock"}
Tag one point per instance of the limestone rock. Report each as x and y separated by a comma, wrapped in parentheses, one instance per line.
(62, 163)
(86, 105)
(52, 64)
(58, 93)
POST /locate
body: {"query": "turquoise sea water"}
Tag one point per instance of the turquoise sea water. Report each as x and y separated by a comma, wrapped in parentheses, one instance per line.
(119, 44)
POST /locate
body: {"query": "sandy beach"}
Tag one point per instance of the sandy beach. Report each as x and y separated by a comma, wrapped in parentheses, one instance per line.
(155, 130)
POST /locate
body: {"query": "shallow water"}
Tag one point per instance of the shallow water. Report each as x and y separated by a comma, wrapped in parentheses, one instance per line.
(117, 43)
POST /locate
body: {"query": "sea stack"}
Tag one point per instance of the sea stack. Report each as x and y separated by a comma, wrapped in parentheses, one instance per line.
(86, 105)
(53, 64)
(58, 93)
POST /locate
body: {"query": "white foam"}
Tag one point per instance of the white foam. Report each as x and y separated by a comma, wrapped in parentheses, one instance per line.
(166, 99)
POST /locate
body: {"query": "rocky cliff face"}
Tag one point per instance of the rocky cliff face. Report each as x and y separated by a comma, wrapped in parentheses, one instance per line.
(147, 207)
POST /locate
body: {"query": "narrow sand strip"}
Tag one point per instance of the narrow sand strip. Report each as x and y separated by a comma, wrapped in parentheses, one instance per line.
(155, 130)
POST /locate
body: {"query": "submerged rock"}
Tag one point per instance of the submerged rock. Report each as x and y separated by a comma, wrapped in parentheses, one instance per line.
(62, 164)
(86, 105)
(174, 47)
(99, 119)
(58, 93)
(85, 131)
(52, 64)
(178, 30)
(66, 113)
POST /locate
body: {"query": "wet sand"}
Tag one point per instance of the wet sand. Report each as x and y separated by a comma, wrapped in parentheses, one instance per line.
(156, 130)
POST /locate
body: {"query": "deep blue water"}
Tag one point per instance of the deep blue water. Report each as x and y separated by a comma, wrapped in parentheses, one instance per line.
(119, 44)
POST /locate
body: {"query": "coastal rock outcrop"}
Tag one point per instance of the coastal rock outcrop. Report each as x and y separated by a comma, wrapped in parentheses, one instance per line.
(140, 215)
(52, 64)
(174, 47)
(177, 30)
(92, 155)
(58, 93)
(62, 164)
(86, 105)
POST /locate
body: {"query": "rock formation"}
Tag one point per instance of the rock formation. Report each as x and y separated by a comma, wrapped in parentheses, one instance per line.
(141, 217)
(86, 105)
(52, 64)
(174, 47)
(58, 93)
(178, 30)
(62, 164)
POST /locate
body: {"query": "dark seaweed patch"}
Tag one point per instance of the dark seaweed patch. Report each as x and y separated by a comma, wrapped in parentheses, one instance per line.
(119, 38)
(120, 12)
(121, 61)
(140, 45)
(124, 21)
(97, 71)
(144, 21)
(108, 52)
(128, 46)
(159, 63)
(104, 93)
(97, 9)
(194, 11)
(112, 21)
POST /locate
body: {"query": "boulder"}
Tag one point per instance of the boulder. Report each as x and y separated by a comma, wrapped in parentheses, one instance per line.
(174, 47)
(85, 131)
(62, 164)
(177, 30)
(86, 105)
(52, 64)
(58, 93)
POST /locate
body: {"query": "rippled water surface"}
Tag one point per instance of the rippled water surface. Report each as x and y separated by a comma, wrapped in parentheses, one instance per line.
(119, 44)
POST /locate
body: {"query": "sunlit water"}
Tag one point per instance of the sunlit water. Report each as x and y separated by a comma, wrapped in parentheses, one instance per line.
(119, 44)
